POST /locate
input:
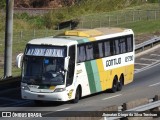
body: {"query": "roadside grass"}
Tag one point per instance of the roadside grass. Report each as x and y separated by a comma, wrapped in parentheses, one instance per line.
(103, 15)
(143, 27)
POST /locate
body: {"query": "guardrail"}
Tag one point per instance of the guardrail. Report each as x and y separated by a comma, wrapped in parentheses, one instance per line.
(151, 109)
(10, 82)
(150, 42)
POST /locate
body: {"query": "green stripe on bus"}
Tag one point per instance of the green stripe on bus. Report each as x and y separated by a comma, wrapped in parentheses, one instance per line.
(90, 76)
(96, 75)
(83, 41)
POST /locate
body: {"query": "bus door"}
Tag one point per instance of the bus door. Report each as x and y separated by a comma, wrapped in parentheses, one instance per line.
(71, 66)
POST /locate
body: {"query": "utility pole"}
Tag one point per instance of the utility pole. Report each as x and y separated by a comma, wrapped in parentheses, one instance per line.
(8, 39)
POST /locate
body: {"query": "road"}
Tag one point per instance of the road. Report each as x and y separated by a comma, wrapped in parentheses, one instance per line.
(146, 85)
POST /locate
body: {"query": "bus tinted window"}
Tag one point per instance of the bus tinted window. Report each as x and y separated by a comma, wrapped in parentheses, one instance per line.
(89, 52)
(81, 53)
(129, 44)
(122, 45)
(100, 49)
(116, 46)
(107, 48)
(96, 50)
(113, 47)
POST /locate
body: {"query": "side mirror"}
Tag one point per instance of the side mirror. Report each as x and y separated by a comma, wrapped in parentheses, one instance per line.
(19, 60)
(66, 63)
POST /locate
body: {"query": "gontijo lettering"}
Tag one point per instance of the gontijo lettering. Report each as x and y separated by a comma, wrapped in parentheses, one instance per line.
(112, 62)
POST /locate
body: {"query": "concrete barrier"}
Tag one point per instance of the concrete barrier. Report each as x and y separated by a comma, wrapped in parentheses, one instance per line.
(157, 97)
(11, 82)
(95, 115)
(133, 104)
(156, 110)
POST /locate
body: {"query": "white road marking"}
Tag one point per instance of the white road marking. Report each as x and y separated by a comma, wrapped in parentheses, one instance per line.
(136, 69)
(142, 64)
(154, 84)
(155, 55)
(63, 109)
(112, 97)
(148, 67)
(149, 59)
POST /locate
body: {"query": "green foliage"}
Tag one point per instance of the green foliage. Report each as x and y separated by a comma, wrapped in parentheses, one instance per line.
(2, 23)
(140, 27)
(154, 1)
(85, 7)
(36, 22)
(2, 4)
(53, 18)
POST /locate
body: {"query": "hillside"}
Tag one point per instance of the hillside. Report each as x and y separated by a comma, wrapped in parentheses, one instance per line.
(64, 3)
(43, 3)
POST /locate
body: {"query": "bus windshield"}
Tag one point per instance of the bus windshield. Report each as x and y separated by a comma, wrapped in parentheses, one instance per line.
(43, 70)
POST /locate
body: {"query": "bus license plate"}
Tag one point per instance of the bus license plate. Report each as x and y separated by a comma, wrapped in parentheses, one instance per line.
(34, 86)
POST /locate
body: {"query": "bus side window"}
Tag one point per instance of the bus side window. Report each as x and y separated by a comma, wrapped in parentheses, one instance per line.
(96, 50)
(117, 46)
(81, 54)
(107, 48)
(100, 49)
(129, 44)
(113, 47)
(78, 54)
(71, 66)
(89, 52)
(122, 45)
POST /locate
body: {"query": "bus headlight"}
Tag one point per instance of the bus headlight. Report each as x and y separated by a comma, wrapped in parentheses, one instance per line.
(59, 89)
(25, 88)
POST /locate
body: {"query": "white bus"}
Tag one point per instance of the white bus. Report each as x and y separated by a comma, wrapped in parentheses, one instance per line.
(79, 63)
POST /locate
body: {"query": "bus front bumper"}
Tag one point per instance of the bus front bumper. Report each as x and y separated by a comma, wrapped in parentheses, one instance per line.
(54, 96)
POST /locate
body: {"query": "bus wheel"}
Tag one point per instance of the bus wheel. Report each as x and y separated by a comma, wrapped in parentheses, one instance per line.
(115, 85)
(120, 84)
(77, 96)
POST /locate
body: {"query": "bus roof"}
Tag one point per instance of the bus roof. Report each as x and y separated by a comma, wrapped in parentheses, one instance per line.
(76, 36)
(96, 32)
(52, 41)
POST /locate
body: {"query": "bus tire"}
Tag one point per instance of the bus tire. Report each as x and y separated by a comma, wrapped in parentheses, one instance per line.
(77, 96)
(120, 84)
(115, 85)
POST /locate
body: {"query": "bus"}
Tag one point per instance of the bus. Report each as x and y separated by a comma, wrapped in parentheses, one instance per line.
(77, 63)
